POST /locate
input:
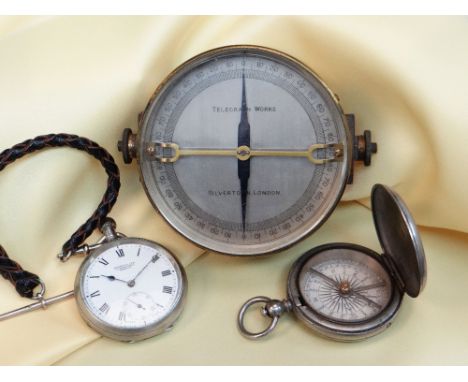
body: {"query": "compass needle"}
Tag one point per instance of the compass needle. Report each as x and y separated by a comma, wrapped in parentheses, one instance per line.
(371, 286)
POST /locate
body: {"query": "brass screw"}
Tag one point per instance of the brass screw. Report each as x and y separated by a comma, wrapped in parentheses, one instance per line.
(243, 152)
(150, 150)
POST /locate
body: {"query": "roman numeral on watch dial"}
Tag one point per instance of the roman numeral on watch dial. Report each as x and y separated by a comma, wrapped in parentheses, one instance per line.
(104, 308)
(103, 261)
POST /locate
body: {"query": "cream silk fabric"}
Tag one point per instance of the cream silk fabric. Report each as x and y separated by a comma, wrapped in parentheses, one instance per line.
(405, 79)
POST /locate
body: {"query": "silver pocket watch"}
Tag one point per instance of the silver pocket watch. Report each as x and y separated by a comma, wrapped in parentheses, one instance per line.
(130, 289)
(348, 292)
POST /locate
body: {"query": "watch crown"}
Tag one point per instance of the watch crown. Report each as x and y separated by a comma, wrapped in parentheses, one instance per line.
(108, 229)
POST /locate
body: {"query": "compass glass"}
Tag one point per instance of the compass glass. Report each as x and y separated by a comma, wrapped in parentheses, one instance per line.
(345, 285)
(244, 150)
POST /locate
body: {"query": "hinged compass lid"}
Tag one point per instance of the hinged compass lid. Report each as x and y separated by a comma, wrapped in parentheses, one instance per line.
(399, 238)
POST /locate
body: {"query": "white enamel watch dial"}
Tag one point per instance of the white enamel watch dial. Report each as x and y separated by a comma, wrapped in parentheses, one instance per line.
(130, 289)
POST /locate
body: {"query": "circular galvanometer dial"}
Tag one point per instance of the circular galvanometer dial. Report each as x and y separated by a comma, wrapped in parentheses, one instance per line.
(130, 289)
(243, 150)
(345, 285)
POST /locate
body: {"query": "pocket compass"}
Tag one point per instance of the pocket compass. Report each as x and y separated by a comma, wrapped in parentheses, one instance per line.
(348, 292)
(244, 150)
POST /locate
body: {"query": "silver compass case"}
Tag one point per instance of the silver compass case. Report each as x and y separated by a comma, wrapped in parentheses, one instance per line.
(403, 260)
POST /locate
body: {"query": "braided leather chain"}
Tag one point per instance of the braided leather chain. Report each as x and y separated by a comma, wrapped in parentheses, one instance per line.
(25, 281)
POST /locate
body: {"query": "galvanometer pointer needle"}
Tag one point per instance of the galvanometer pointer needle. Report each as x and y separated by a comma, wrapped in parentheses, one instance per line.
(243, 166)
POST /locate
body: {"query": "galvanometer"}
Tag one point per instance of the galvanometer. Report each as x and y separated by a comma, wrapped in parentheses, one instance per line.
(244, 150)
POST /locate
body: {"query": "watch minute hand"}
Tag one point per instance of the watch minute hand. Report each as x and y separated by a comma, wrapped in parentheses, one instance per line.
(153, 260)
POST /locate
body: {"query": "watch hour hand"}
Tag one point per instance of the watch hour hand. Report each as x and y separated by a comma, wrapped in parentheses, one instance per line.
(113, 278)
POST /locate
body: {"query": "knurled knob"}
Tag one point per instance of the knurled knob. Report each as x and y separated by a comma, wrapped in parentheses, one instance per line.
(365, 147)
(127, 146)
